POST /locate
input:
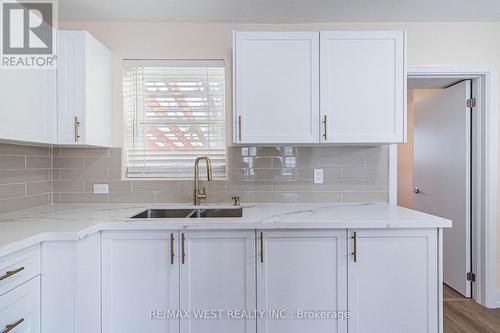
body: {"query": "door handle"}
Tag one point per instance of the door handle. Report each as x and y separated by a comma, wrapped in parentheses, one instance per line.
(261, 247)
(10, 273)
(10, 327)
(172, 254)
(239, 128)
(325, 129)
(76, 125)
(354, 251)
(416, 190)
(183, 249)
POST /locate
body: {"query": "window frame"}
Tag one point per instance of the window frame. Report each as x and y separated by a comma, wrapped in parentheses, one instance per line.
(165, 63)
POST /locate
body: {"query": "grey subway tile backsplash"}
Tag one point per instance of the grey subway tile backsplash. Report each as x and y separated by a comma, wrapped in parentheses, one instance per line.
(12, 162)
(35, 176)
(13, 204)
(256, 174)
(67, 162)
(38, 188)
(12, 191)
(25, 177)
(38, 162)
(137, 197)
(22, 150)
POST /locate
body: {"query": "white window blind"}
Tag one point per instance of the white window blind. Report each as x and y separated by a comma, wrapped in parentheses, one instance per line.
(175, 113)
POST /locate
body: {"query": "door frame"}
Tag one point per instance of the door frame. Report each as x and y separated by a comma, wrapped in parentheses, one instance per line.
(484, 176)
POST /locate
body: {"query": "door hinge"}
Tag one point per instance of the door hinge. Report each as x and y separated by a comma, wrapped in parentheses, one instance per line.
(471, 102)
(471, 277)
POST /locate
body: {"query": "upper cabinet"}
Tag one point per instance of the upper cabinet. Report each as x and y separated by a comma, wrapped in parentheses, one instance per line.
(70, 105)
(363, 86)
(28, 105)
(84, 90)
(327, 87)
(276, 91)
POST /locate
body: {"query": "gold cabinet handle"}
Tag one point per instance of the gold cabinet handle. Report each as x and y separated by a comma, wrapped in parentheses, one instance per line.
(10, 327)
(76, 125)
(354, 247)
(183, 251)
(261, 247)
(324, 127)
(239, 128)
(172, 254)
(10, 273)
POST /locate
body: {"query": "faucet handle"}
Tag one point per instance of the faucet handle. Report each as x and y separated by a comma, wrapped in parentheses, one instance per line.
(236, 200)
(203, 191)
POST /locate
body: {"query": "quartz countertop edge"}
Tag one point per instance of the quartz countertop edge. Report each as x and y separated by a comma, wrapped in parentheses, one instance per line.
(70, 222)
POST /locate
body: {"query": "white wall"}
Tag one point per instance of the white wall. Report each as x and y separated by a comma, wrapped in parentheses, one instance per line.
(405, 161)
(428, 44)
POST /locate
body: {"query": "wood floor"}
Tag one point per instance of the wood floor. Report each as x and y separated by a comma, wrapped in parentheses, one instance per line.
(463, 315)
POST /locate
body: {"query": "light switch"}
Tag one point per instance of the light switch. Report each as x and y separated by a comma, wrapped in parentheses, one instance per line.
(318, 176)
(101, 188)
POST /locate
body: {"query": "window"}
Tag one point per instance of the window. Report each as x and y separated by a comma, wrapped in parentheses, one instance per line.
(175, 113)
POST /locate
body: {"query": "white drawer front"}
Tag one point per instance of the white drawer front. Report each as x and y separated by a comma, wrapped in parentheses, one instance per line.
(20, 308)
(19, 267)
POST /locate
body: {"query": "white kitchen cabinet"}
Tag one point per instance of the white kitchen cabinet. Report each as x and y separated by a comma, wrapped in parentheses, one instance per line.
(28, 105)
(84, 90)
(302, 270)
(363, 86)
(346, 87)
(88, 264)
(276, 80)
(19, 267)
(140, 281)
(58, 287)
(217, 273)
(393, 281)
(20, 308)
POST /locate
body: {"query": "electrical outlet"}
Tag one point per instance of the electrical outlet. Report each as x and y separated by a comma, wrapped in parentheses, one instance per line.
(101, 188)
(318, 176)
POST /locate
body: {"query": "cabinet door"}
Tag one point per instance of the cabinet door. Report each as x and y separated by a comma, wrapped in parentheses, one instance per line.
(393, 284)
(20, 308)
(28, 105)
(276, 78)
(140, 280)
(71, 87)
(218, 273)
(84, 87)
(363, 86)
(301, 270)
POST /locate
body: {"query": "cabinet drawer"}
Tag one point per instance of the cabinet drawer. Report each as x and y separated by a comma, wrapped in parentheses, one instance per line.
(19, 267)
(20, 308)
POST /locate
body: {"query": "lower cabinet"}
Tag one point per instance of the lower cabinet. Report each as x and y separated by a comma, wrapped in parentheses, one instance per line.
(298, 272)
(393, 281)
(20, 308)
(217, 275)
(140, 279)
(163, 281)
(271, 281)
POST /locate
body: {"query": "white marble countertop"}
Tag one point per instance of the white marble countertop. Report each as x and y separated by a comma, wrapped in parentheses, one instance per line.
(75, 221)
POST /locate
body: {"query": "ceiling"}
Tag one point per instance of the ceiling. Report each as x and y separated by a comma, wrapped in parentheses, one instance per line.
(278, 11)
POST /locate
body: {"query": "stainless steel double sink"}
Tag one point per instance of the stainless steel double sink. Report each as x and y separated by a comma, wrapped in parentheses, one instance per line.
(176, 213)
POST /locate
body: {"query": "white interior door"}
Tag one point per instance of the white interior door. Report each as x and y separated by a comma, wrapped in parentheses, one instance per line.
(442, 123)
